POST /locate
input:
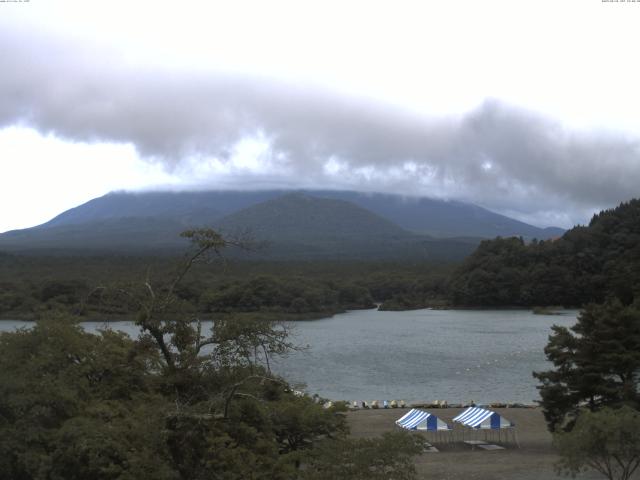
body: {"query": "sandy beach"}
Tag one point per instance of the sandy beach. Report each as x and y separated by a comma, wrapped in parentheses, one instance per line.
(533, 460)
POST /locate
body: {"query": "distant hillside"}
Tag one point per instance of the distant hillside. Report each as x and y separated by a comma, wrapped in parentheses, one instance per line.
(136, 234)
(301, 226)
(291, 226)
(444, 219)
(345, 223)
(302, 217)
(585, 265)
(188, 208)
(437, 218)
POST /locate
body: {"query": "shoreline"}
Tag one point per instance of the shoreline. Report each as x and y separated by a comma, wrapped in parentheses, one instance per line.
(437, 405)
(308, 316)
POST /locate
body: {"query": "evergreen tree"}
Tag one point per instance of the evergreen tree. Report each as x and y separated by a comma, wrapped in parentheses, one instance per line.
(596, 363)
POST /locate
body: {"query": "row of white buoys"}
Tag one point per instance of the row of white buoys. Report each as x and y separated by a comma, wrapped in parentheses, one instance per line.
(376, 404)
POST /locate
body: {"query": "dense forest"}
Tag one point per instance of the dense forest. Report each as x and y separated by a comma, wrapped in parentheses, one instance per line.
(587, 264)
(85, 286)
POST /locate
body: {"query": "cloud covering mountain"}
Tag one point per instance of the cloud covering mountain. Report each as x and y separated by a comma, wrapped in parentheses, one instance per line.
(215, 128)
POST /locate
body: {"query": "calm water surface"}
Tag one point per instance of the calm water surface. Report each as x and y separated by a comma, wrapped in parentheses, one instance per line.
(420, 355)
(424, 355)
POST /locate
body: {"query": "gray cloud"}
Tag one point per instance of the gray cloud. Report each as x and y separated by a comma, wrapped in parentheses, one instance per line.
(505, 158)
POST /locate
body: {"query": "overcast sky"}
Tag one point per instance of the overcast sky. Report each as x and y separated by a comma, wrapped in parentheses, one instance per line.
(529, 108)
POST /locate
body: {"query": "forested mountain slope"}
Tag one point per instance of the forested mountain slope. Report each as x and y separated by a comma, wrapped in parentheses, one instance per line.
(298, 225)
(293, 226)
(585, 265)
(438, 218)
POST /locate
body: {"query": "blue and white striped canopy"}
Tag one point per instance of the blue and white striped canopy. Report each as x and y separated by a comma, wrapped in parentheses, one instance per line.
(420, 420)
(476, 417)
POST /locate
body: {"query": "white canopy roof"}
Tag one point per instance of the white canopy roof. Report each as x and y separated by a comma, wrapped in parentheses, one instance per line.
(477, 417)
(420, 420)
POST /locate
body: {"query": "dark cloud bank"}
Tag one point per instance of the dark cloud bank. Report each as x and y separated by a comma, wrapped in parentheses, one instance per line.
(502, 157)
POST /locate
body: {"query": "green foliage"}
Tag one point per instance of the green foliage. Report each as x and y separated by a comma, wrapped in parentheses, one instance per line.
(491, 275)
(205, 239)
(607, 441)
(263, 289)
(75, 405)
(176, 403)
(407, 290)
(365, 459)
(69, 291)
(296, 421)
(596, 363)
(585, 265)
(248, 343)
(288, 295)
(11, 298)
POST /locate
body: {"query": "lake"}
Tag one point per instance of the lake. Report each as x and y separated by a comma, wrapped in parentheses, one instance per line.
(424, 355)
(420, 355)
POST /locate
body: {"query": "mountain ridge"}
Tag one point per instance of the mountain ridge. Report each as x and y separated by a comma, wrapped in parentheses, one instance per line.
(300, 224)
(439, 218)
